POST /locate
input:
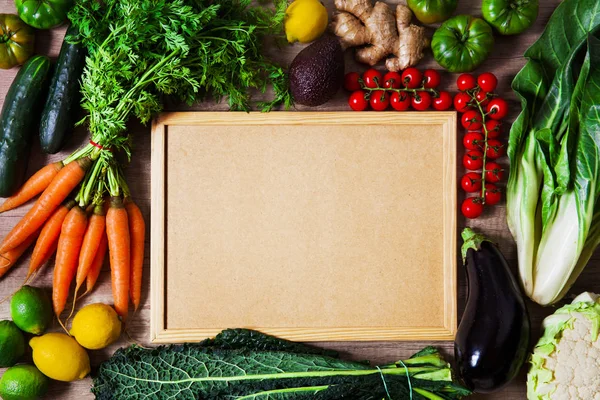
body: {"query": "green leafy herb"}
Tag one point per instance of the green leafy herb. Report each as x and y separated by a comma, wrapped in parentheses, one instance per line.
(241, 364)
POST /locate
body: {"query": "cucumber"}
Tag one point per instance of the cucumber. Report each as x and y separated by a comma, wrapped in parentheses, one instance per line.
(58, 115)
(18, 121)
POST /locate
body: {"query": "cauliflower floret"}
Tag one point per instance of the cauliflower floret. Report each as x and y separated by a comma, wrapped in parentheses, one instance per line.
(566, 360)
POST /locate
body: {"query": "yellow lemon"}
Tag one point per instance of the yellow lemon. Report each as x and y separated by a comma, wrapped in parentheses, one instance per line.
(60, 357)
(305, 21)
(96, 326)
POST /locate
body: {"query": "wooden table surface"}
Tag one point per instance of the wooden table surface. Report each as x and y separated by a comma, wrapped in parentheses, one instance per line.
(505, 62)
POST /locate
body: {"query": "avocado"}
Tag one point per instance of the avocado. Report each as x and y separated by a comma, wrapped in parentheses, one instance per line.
(317, 72)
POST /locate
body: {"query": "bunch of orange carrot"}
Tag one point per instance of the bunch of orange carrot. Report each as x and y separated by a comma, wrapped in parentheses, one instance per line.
(80, 226)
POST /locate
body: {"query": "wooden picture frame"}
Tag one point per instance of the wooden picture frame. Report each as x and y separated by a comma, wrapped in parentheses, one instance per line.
(190, 133)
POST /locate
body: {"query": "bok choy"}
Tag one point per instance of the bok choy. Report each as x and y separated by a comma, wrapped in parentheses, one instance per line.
(554, 149)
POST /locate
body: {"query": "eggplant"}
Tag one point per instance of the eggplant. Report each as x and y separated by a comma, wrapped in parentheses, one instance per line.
(493, 336)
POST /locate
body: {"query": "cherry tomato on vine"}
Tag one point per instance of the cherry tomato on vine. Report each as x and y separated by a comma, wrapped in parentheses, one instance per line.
(471, 182)
(461, 102)
(372, 78)
(392, 80)
(421, 101)
(495, 149)
(473, 160)
(351, 81)
(443, 101)
(412, 78)
(471, 120)
(466, 82)
(400, 101)
(482, 97)
(497, 108)
(431, 78)
(380, 100)
(357, 101)
(487, 81)
(473, 141)
(493, 172)
(472, 207)
(493, 128)
(493, 195)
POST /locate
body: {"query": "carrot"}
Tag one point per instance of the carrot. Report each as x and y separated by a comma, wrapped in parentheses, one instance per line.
(119, 248)
(9, 259)
(63, 183)
(67, 255)
(48, 239)
(137, 232)
(89, 247)
(94, 271)
(34, 186)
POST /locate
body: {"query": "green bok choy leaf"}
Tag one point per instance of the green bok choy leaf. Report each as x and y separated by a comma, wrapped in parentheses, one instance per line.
(552, 190)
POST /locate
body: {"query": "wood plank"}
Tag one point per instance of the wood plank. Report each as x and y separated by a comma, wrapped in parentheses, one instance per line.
(505, 61)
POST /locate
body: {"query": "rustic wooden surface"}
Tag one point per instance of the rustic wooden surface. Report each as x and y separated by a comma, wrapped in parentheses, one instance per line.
(505, 62)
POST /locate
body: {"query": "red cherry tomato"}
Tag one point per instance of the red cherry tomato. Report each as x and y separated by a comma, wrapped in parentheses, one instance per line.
(487, 81)
(493, 172)
(492, 194)
(497, 108)
(482, 97)
(357, 101)
(471, 120)
(473, 160)
(461, 102)
(380, 100)
(443, 101)
(431, 78)
(372, 78)
(493, 128)
(473, 141)
(495, 149)
(412, 78)
(472, 207)
(351, 81)
(400, 101)
(471, 182)
(421, 101)
(392, 80)
(466, 82)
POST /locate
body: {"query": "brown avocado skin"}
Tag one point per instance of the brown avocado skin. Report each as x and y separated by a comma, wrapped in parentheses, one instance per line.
(317, 72)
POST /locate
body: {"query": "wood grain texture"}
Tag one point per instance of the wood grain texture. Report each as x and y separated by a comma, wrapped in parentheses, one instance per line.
(505, 62)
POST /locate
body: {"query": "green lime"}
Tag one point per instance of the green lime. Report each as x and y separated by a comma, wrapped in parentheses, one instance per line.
(31, 310)
(12, 344)
(23, 382)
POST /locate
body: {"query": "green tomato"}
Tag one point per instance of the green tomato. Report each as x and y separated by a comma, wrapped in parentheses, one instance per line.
(510, 17)
(462, 43)
(432, 11)
(43, 14)
(16, 41)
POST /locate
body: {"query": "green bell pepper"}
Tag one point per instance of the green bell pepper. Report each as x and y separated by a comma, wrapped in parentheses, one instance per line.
(462, 43)
(43, 14)
(510, 17)
(16, 41)
(432, 11)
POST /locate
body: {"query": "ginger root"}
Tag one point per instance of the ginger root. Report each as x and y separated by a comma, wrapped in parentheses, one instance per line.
(360, 23)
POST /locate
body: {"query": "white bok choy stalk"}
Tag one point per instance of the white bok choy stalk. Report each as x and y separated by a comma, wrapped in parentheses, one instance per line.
(554, 149)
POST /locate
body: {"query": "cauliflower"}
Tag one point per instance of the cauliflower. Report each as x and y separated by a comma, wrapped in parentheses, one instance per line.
(565, 363)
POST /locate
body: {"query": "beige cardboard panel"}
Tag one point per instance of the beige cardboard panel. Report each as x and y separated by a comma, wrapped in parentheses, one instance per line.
(306, 226)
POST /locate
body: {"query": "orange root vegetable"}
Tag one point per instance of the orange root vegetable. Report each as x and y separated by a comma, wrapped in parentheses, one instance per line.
(61, 186)
(9, 259)
(94, 272)
(67, 256)
(137, 231)
(48, 240)
(34, 186)
(119, 249)
(93, 235)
